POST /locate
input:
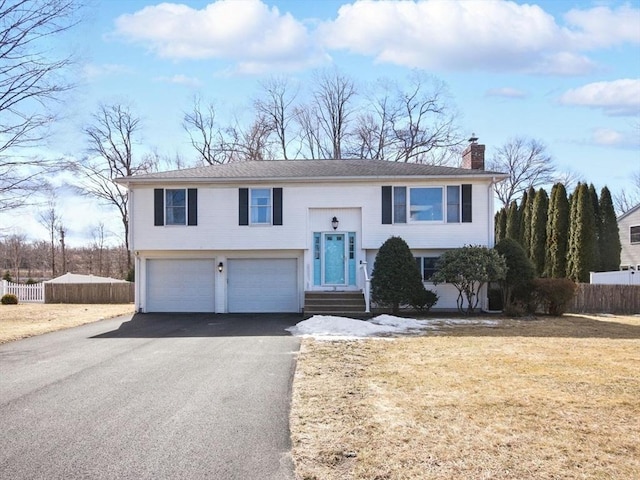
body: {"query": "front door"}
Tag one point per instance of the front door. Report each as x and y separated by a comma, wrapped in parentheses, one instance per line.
(334, 259)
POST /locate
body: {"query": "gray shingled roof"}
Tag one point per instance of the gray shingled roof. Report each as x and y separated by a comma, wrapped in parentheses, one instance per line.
(307, 170)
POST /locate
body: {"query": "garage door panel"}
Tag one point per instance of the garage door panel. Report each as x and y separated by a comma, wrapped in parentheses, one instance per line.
(180, 285)
(263, 285)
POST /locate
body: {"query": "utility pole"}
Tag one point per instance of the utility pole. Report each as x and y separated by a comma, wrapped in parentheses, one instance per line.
(64, 257)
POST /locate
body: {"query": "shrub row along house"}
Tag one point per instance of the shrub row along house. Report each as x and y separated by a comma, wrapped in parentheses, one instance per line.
(258, 236)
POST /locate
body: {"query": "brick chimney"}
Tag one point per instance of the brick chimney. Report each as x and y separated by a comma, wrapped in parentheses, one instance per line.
(473, 155)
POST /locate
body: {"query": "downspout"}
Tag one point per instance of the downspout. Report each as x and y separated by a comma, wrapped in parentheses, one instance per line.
(137, 262)
(490, 236)
(490, 223)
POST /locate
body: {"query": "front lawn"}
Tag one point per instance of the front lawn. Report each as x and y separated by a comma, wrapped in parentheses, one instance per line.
(544, 398)
(29, 319)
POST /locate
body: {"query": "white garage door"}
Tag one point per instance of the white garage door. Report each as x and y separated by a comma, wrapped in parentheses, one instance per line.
(263, 285)
(180, 285)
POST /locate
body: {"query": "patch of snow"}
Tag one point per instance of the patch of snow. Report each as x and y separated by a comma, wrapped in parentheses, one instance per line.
(343, 328)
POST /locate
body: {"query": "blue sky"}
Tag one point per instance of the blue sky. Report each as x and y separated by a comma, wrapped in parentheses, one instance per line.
(564, 72)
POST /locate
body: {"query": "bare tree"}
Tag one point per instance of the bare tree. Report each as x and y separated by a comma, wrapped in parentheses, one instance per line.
(413, 121)
(311, 145)
(277, 108)
(626, 199)
(31, 81)
(204, 134)
(111, 136)
(16, 251)
(250, 144)
(527, 163)
(422, 122)
(51, 220)
(569, 178)
(98, 245)
(333, 101)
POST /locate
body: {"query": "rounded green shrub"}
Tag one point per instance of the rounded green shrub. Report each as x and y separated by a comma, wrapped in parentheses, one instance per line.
(554, 295)
(423, 300)
(9, 299)
(396, 279)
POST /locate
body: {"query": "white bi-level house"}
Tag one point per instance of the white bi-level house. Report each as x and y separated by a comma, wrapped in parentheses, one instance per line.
(255, 236)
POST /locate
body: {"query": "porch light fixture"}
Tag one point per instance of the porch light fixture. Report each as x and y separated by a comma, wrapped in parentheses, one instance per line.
(334, 223)
(220, 267)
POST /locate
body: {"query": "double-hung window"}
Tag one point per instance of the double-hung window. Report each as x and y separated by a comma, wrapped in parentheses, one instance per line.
(450, 204)
(453, 204)
(427, 267)
(260, 206)
(634, 234)
(175, 206)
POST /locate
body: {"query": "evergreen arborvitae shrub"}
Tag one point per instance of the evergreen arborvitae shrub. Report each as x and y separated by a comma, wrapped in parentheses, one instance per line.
(517, 283)
(501, 224)
(609, 234)
(596, 264)
(9, 299)
(557, 233)
(539, 231)
(396, 279)
(554, 295)
(582, 238)
(513, 222)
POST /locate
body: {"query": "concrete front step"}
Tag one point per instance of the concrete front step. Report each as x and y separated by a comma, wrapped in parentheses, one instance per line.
(334, 303)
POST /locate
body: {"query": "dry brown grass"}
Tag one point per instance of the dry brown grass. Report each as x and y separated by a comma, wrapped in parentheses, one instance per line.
(548, 398)
(29, 319)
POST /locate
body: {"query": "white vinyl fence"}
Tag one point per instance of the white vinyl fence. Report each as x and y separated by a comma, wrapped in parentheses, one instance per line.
(621, 277)
(25, 293)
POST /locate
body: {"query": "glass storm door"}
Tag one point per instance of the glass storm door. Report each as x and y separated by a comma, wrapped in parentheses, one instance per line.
(334, 259)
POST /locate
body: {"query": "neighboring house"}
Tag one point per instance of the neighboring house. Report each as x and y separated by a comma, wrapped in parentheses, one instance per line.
(255, 236)
(79, 278)
(629, 228)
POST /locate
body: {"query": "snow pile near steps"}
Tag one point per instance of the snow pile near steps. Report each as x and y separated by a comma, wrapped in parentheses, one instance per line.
(340, 328)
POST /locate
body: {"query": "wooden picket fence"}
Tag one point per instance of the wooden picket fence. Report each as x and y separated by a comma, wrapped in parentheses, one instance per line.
(89, 292)
(622, 299)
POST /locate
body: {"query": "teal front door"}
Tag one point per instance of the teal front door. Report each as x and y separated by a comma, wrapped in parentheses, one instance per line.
(334, 259)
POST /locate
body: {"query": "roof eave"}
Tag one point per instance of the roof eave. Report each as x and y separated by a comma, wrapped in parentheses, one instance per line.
(126, 181)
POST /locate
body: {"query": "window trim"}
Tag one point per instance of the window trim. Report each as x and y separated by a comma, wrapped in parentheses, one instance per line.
(268, 207)
(175, 207)
(276, 206)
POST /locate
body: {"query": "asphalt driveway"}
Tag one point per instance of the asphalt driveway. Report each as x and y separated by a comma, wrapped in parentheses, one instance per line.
(150, 397)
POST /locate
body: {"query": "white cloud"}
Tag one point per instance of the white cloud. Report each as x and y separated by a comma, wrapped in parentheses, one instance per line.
(604, 27)
(180, 79)
(92, 71)
(608, 137)
(487, 35)
(492, 35)
(506, 92)
(617, 97)
(248, 32)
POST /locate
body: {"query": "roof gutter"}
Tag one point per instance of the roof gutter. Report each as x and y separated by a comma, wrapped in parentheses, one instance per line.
(127, 181)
